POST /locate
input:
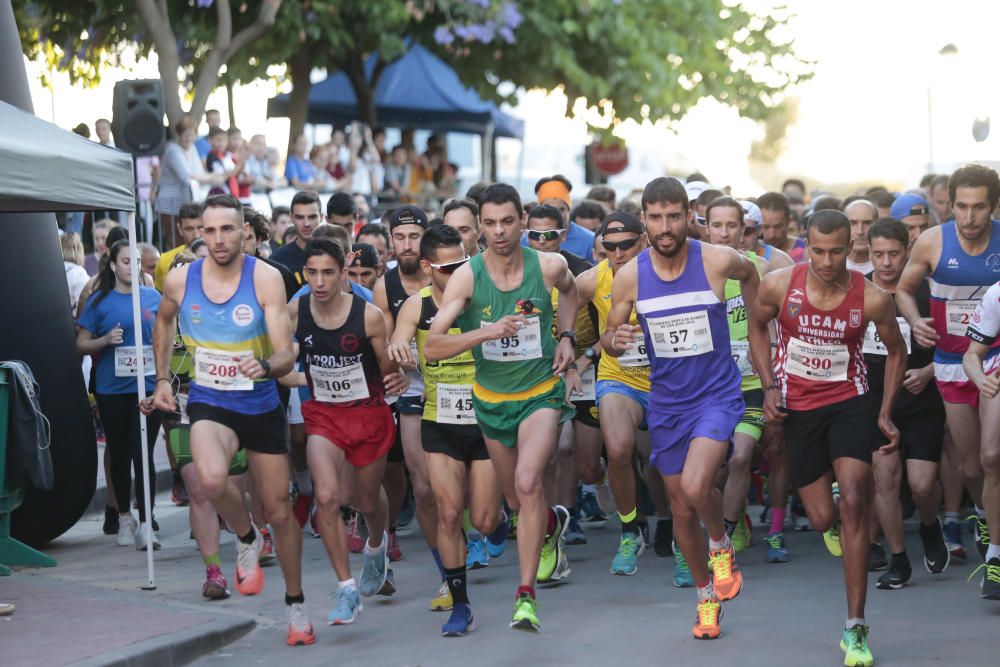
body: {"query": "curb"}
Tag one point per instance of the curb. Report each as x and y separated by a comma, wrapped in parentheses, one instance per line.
(164, 480)
(175, 648)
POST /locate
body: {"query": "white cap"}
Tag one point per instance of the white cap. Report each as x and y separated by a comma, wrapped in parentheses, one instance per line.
(751, 212)
(695, 188)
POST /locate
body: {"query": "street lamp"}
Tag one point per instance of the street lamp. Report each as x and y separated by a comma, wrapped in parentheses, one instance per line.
(946, 51)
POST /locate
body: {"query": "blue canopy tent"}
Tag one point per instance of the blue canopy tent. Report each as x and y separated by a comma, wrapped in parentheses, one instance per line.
(417, 90)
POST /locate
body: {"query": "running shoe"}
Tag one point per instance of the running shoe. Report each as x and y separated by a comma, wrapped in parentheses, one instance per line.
(442, 601)
(708, 618)
(777, 552)
(525, 614)
(178, 492)
(300, 630)
(897, 576)
(605, 500)
(313, 521)
(512, 526)
(630, 547)
(144, 536)
(741, 534)
(877, 561)
(590, 510)
(574, 533)
(126, 530)
(6, 608)
(982, 534)
(726, 573)
(476, 557)
(854, 644)
(395, 553)
(937, 557)
(215, 587)
(389, 587)
(991, 579)
(562, 570)
(682, 573)
(832, 540)
(355, 543)
(249, 576)
(644, 531)
(663, 537)
(347, 608)
(800, 520)
(110, 520)
(300, 508)
(375, 569)
(496, 542)
(553, 545)
(460, 623)
(267, 554)
(953, 538)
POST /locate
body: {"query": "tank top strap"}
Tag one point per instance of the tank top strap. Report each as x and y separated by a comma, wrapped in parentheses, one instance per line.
(532, 267)
(193, 283)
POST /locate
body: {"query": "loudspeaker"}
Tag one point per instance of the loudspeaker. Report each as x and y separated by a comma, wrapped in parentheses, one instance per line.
(138, 117)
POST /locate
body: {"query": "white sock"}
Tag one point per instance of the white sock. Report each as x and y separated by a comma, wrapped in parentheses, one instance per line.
(950, 517)
(851, 622)
(719, 544)
(993, 551)
(341, 585)
(368, 544)
(304, 482)
(706, 592)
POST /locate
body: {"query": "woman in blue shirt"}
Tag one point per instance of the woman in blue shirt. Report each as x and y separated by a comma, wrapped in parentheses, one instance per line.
(106, 331)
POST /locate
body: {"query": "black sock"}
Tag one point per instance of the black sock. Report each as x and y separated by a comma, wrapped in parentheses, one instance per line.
(901, 557)
(249, 537)
(730, 526)
(295, 599)
(631, 526)
(456, 579)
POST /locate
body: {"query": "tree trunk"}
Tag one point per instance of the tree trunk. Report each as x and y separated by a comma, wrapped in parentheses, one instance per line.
(300, 67)
(364, 90)
(229, 103)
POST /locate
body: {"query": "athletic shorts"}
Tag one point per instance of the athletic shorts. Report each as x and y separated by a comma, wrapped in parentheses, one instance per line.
(752, 422)
(180, 448)
(396, 454)
(586, 413)
(921, 435)
(814, 439)
(365, 433)
(410, 405)
(962, 391)
(605, 387)
(671, 434)
(499, 419)
(462, 442)
(295, 408)
(266, 433)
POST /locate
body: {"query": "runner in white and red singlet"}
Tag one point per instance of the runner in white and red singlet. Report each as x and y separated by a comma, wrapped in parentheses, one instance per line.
(819, 389)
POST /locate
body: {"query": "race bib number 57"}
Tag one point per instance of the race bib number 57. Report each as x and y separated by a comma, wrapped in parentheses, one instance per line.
(684, 335)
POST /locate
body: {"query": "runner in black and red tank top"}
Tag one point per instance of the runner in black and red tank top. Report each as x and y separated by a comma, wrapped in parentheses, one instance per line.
(819, 389)
(342, 349)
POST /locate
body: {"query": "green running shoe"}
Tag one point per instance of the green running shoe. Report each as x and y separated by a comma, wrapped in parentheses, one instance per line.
(525, 614)
(832, 540)
(854, 644)
(553, 545)
(741, 534)
(630, 548)
(682, 573)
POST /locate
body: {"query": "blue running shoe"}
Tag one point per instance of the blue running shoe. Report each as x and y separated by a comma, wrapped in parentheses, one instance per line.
(590, 511)
(374, 571)
(496, 542)
(776, 550)
(460, 623)
(347, 609)
(953, 538)
(630, 547)
(682, 573)
(476, 557)
(574, 533)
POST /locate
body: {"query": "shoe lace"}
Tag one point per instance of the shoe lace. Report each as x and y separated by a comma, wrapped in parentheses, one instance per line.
(707, 612)
(992, 573)
(722, 564)
(680, 560)
(776, 541)
(859, 636)
(526, 604)
(297, 617)
(982, 530)
(629, 545)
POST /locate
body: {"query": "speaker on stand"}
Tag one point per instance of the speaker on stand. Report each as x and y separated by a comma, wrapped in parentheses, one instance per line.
(137, 125)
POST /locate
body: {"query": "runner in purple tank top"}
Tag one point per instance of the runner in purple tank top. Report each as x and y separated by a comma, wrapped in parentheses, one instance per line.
(677, 289)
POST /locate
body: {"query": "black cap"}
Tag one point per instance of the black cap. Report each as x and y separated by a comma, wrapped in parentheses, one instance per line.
(620, 221)
(365, 256)
(408, 215)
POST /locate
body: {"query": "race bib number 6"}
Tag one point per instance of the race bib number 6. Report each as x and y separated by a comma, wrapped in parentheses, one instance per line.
(218, 369)
(524, 345)
(958, 314)
(684, 335)
(822, 363)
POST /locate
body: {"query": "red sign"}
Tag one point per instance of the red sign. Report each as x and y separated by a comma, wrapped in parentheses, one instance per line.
(609, 160)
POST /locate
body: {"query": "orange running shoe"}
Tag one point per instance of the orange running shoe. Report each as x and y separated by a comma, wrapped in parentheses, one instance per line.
(249, 576)
(709, 616)
(300, 630)
(725, 573)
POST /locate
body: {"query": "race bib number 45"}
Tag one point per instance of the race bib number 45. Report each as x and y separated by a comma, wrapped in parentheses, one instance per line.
(823, 363)
(454, 404)
(958, 313)
(127, 361)
(684, 335)
(524, 345)
(339, 385)
(218, 369)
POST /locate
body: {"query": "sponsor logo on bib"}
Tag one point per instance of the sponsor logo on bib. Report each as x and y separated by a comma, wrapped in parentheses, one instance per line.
(349, 343)
(243, 315)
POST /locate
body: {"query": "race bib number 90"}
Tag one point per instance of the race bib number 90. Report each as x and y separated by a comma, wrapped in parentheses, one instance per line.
(339, 385)
(218, 369)
(127, 362)
(958, 314)
(526, 344)
(822, 363)
(873, 343)
(454, 404)
(684, 335)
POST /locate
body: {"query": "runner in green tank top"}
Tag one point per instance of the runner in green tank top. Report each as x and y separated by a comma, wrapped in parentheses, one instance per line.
(726, 224)
(501, 301)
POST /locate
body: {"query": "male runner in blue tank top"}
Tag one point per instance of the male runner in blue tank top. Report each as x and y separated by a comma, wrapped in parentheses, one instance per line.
(234, 323)
(677, 289)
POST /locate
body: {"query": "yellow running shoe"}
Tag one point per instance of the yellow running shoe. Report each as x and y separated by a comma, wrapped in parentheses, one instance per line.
(442, 601)
(854, 644)
(832, 540)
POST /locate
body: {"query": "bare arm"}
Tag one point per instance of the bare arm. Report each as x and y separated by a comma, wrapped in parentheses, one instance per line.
(271, 294)
(922, 260)
(619, 334)
(294, 378)
(406, 328)
(88, 343)
(586, 287)
(375, 328)
(164, 332)
(765, 309)
(880, 309)
(972, 362)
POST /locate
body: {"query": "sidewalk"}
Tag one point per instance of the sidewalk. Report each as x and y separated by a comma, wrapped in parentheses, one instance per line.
(164, 477)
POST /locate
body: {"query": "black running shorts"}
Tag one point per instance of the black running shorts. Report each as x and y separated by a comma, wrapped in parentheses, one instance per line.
(462, 442)
(266, 433)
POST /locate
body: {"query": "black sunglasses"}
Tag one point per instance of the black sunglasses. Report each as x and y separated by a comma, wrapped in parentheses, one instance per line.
(545, 234)
(620, 245)
(450, 267)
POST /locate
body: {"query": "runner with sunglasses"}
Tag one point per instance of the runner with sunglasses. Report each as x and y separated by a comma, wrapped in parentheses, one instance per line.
(502, 303)
(579, 451)
(622, 388)
(457, 460)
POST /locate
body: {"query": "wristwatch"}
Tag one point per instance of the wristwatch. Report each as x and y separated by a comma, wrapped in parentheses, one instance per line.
(266, 366)
(590, 354)
(569, 334)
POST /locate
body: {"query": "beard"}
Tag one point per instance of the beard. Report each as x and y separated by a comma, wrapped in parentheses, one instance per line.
(409, 266)
(679, 244)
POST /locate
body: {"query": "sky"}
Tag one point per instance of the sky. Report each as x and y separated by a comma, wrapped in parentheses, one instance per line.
(863, 117)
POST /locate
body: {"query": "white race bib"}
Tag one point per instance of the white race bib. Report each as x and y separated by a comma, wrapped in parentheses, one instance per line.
(635, 355)
(524, 345)
(741, 355)
(684, 335)
(588, 383)
(873, 344)
(182, 407)
(823, 363)
(454, 404)
(127, 362)
(219, 369)
(339, 385)
(959, 313)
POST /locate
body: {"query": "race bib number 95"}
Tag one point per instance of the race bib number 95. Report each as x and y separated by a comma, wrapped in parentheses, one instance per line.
(524, 345)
